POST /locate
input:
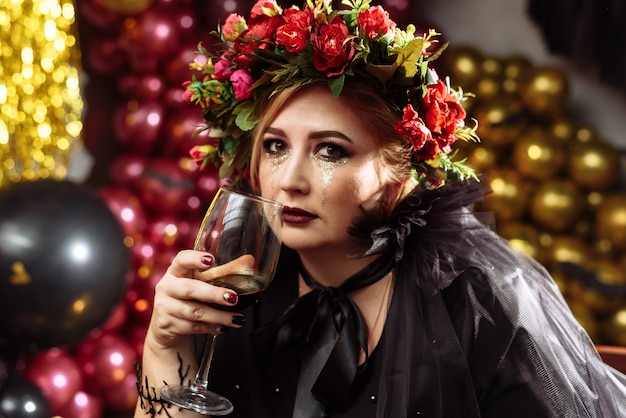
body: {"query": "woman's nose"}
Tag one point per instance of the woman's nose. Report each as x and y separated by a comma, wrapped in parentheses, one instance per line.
(293, 174)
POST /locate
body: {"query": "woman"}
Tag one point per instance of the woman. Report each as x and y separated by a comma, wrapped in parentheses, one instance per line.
(391, 298)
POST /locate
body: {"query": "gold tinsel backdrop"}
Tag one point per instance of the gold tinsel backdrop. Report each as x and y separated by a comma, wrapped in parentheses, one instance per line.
(558, 191)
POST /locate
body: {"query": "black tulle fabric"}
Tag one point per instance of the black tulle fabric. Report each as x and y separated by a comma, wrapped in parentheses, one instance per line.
(473, 330)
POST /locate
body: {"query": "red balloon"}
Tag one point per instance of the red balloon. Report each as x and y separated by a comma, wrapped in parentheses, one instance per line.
(125, 169)
(208, 183)
(151, 35)
(57, 374)
(168, 230)
(82, 405)
(123, 396)
(117, 320)
(166, 185)
(105, 361)
(145, 86)
(137, 125)
(140, 295)
(179, 130)
(144, 252)
(126, 207)
(103, 55)
(95, 123)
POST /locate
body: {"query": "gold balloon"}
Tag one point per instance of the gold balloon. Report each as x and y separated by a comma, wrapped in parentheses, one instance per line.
(544, 91)
(614, 328)
(508, 199)
(464, 64)
(537, 155)
(586, 133)
(607, 272)
(562, 130)
(594, 165)
(500, 122)
(611, 220)
(567, 249)
(516, 66)
(524, 238)
(127, 7)
(556, 205)
(586, 318)
(483, 158)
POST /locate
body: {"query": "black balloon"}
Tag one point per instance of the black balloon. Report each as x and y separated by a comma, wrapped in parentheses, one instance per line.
(20, 398)
(63, 263)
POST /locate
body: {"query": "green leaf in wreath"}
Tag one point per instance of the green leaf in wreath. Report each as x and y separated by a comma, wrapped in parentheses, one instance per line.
(407, 58)
(245, 119)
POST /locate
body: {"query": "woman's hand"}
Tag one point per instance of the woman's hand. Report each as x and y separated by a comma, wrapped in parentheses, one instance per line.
(181, 296)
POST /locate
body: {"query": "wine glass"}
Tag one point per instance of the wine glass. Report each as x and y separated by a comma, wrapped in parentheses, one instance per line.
(236, 226)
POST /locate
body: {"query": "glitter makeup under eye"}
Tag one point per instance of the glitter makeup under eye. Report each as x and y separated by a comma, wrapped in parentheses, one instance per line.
(277, 162)
(328, 168)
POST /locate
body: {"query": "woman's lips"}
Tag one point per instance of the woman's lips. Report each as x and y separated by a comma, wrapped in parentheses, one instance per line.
(297, 216)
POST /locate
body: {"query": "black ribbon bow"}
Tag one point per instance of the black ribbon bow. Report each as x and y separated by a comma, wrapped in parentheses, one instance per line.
(335, 333)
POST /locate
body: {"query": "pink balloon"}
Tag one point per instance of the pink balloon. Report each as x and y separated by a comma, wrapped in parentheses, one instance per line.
(126, 207)
(57, 374)
(137, 125)
(144, 86)
(144, 251)
(125, 169)
(82, 405)
(105, 361)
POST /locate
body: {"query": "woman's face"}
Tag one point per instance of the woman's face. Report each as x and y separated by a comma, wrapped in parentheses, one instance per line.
(321, 162)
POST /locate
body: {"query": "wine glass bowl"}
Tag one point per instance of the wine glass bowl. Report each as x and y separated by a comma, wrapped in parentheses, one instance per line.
(243, 230)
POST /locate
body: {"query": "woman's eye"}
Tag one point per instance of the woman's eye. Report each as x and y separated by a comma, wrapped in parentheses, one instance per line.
(331, 151)
(274, 146)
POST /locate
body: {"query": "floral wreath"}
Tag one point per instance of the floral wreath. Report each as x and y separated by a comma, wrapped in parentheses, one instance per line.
(278, 48)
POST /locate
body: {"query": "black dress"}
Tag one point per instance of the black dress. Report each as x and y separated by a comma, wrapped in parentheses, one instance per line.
(473, 330)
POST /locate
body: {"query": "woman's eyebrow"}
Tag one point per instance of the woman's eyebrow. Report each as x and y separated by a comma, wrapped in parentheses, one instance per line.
(326, 134)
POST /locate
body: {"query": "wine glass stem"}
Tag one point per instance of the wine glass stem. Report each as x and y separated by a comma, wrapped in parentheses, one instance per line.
(201, 380)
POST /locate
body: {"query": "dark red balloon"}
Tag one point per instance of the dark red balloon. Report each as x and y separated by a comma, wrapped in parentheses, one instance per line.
(140, 295)
(153, 34)
(166, 185)
(177, 68)
(126, 207)
(105, 361)
(83, 405)
(57, 374)
(102, 55)
(125, 169)
(168, 230)
(141, 86)
(137, 125)
(181, 131)
(121, 397)
(98, 16)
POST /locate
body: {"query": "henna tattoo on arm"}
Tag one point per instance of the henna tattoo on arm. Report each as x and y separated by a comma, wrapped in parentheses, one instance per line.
(149, 399)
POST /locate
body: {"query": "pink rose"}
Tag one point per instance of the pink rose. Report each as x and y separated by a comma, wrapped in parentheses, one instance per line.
(233, 26)
(223, 69)
(375, 21)
(187, 94)
(242, 81)
(331, 51)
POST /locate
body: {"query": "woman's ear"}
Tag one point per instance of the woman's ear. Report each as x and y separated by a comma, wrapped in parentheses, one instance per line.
(392, 194)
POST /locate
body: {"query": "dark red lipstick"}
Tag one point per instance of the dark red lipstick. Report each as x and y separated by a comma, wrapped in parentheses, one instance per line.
(297, 216)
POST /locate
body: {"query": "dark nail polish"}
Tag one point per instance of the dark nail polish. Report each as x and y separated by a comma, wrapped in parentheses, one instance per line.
(231, 298)
(239, 320)
(208, 260)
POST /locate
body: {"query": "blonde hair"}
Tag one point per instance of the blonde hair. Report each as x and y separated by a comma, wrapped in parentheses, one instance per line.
(364, 100)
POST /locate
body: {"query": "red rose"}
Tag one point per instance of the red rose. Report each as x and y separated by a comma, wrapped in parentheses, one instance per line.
(256, 36)
(442, 112)
(295, 33)
(375, 21)
(223, 69)
(412, 128)
(331, 51)
(264, 9)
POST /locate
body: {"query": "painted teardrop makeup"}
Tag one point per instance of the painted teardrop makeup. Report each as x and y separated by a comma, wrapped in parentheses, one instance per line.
(327, 168)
